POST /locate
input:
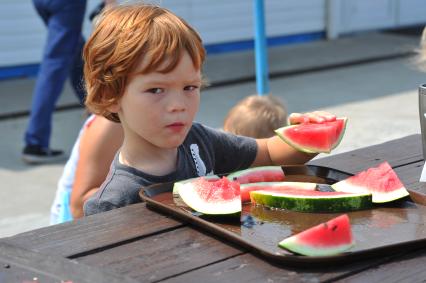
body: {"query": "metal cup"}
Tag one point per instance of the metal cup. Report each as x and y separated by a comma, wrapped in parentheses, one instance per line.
(422, 112)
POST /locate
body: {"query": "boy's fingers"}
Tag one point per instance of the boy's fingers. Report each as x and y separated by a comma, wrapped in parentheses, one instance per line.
(315, 118)
(297, 118)
(326, 115)
(294, 118)
(312, 117)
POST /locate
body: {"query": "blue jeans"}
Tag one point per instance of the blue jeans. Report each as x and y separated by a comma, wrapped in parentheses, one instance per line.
(61, 57)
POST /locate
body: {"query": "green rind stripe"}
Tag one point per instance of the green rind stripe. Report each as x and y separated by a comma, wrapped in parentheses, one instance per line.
(292, 244)
(312, 204)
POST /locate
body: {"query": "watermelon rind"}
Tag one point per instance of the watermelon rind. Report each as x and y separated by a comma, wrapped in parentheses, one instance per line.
(378, 197)
(190, 197)
(345, 121)
(292, 245)
(326, 239)
(271, 186)
(277, 170)
(317, 202)
(309, 149)
(178, 184)
(381, 181)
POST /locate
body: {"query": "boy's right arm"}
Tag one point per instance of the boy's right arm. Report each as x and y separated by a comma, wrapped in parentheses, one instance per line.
(274, 151)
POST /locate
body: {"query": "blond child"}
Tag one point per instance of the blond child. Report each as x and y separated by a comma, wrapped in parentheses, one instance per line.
(87, 167)
(256, 116)
(143, 68)
(98, 144)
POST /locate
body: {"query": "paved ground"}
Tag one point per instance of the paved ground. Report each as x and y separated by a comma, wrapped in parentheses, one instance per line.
(378, 96)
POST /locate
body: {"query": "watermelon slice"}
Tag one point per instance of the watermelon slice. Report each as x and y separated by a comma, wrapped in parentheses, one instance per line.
(381, 181)
(219, 197)
(314, 137)
(177, 185)
(312, 201)
(245, 189)
(326, 239)
(258, 174)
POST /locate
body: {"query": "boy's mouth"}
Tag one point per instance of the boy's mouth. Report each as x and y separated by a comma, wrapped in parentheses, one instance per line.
(176, 127)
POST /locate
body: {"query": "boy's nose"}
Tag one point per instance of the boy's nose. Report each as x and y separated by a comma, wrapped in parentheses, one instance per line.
(177, 102)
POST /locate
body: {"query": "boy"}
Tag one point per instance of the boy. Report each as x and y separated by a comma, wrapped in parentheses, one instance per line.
(256, 116)
(143, 69)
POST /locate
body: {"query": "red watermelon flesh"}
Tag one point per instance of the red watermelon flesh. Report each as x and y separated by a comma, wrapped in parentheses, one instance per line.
(258, 174)
(381, 181)
(217, 191)
(245, 189)
(326, 239)
(314, 137)
(212, 197)
(176, 185)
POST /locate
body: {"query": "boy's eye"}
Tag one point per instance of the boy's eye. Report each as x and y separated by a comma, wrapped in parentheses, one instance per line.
(155, 90)
(191, 87)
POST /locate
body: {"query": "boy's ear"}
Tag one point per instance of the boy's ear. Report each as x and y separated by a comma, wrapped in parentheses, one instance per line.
(114, 108)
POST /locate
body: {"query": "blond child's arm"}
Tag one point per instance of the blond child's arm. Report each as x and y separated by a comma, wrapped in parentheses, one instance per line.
(98, 145)
(274, 151)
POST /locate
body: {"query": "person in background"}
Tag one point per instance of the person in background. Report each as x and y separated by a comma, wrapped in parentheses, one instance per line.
(87, 167)
(150, 82)
(61, 58)
(256, 116)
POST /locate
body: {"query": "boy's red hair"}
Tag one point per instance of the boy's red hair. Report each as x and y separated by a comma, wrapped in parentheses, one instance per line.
(123, 36)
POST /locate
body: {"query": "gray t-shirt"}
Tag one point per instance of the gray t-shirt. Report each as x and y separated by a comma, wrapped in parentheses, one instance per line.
(205, 151)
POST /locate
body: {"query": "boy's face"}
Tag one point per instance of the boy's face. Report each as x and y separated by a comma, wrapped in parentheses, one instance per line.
(158, 109)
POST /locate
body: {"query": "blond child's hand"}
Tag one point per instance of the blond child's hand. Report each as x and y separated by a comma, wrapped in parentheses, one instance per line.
(311, 117)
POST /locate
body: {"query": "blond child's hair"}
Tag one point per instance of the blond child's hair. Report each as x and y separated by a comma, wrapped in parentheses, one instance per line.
(122, 37)
(256, 116)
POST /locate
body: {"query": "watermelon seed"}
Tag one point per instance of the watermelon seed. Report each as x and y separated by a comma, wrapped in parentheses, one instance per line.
(334, 228)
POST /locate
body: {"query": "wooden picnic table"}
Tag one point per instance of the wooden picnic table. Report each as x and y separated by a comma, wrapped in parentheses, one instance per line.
(137, 244)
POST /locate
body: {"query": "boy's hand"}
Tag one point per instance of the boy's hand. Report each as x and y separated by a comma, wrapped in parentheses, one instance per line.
(311, 117)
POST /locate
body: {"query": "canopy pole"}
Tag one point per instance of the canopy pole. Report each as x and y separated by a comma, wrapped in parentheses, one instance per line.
(260, 44)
